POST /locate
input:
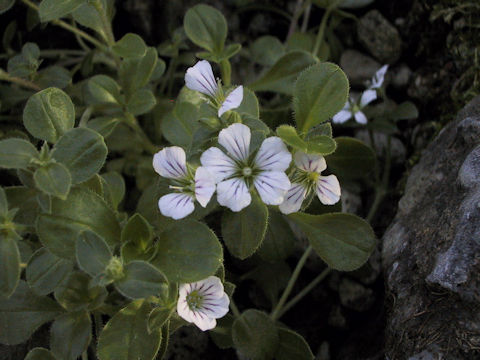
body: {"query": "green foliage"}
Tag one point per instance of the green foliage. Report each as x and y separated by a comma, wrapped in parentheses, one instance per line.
(142, 280)
(40, 354)
(320, 144)
(55, 9)
(5, 5)
(70, 335)
(53, 179)
(292, 346)
(92, 253)
(16, 153)
(9, 265)
(130, 46)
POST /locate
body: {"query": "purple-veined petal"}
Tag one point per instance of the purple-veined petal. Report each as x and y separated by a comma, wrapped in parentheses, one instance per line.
(310, 162)
(234, 194)
(328, 189)
(203, 322)
(176, 205)
(233, 100)
(367, 97)
(216, 308)
(217, 163)
(273, 155)
(211, 287)
(360, 118)
(200, 78)
(170, 162)
(272, 186)
(236, 140)
(379, 77)
(204, 185)
(341, 116)
(292, 202)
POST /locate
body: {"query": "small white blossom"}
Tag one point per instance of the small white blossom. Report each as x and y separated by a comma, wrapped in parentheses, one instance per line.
(308, 178)
(171, 163)
(236, 171)
(203, 302)
(200, 78)
(378, 78)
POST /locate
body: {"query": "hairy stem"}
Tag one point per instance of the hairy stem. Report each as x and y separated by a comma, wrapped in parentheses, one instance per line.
(19, 81)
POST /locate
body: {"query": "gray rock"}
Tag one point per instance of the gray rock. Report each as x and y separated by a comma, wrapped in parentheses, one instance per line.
(358, 67)
(397, 149)
(380, 37)
(401, 76)
(431, 251)
(355, 296)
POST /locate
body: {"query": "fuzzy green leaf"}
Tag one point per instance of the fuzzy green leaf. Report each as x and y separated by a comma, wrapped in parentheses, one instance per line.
(130, 46)
(142, 280)
(292, 346)
(55, 9)
(70, 335)
(9, 265)
(53, 179)
(5, 5)
(40, 354)
(16, 153)
(77, 293)
(141, 102)
(92, 253)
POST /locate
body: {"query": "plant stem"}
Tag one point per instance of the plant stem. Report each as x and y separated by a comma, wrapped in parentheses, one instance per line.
(306, 16)
(19, 81)
(323, 25)
(234, 308)
(226, 71)
(147, 144)
(69, 27)
(296, 15)
(275, 313)
(305, 291)
(85, 356)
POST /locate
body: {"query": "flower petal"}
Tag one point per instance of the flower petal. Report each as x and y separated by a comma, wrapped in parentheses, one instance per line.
(203, 322)
(204, 185)
(236, 140)
(273, 155)
(310, 162)
(170, 162)
(216, 308)
(200, 78)
(176, 205)
(272, 186)
(379, 77)
(328, 189)
(217, 163)
(233, 193)
(211, 287)
(292, 202)
(360, 118)
(341, 116)
(233, 100)
(367, 97)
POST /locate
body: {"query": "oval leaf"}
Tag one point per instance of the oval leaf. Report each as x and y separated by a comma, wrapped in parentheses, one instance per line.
(243, 231)
(92, 253)
(5, 5)
(141, 281)
(130, 46)
(343, 241)
(53, 179)
(40, 354)
(16, 153)
(82, 151)
(292, 346)
(49, 114)
(55, 9)
(126, 335)
(9, 265)
(321, 91)
(77, 293)
(188, 251)
(70, 335)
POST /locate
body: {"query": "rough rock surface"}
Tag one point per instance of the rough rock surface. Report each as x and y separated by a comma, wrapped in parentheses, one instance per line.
(380, 37)
(358, 67)
(431, 251)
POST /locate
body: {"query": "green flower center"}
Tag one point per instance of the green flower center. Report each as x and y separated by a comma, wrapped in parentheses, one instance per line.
(247, 171)
(194, 300)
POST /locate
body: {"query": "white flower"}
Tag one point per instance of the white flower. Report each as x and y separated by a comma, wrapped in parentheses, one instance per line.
(236, 171)
(171, 163)
(378, 78)
(200, 78)
(351, 109)
(202, 302)
(308, 178)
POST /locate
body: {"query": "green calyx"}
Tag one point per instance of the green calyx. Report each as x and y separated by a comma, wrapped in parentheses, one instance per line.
(195, 300)
(114, 270)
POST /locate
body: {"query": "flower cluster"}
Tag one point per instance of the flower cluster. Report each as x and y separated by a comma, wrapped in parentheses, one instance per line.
(353, 108)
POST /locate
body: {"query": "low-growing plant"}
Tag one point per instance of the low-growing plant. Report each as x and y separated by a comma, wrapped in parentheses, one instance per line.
(215, 171)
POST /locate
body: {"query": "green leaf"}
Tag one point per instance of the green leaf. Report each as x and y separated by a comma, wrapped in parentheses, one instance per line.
(289, 135)
(16, 153)
(70, 335)
(9, 265)
(141, 281)
(46, 271)
(282, 75)
(126, 336)
(27, 312)
(301, 41)
(130, 46)
(279, 241)
(405, 111)
(82, 151)
(55, 9)
(206, 27)
(3, 202)
(188, 251)
(255, 335)
(54, 76)
(92, 253)
(135, 73)
(179, 125)
(49, 114)
(40, 354)
(292, 346)
(249, 104)
(83, 210)
(272, 278)
(158, 317)
(104, 125)
(115, 186)
(352, 159)
(103, 90)
(321, 144)
(222, 333)
(86, 15)
(321, 91)
(230, 51)
(53, 179)
(77, 293)
(25, 64)
(141, 102)
(138, 230)
(5, 5)
(343, 241)
(266, 50)
(243, 231)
